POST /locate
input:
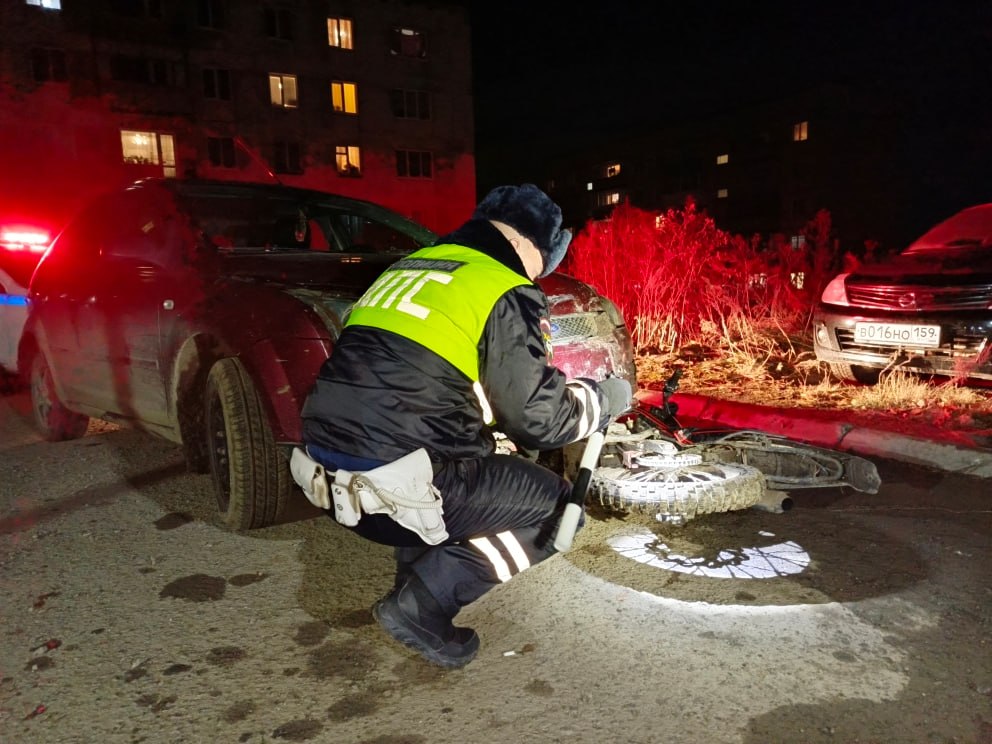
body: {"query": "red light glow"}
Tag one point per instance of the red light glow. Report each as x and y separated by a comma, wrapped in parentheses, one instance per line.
(24, 239)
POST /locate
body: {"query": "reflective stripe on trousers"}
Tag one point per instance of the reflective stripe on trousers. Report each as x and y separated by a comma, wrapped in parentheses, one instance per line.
(502, 513)
(494, 551)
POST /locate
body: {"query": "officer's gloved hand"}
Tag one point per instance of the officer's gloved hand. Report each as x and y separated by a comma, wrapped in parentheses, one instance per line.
(618, 395)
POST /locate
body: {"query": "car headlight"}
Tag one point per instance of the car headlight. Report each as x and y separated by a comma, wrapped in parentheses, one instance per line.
(612, 312)
(835, 293)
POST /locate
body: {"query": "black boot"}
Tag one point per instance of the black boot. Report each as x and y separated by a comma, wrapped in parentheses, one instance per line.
(413, 617)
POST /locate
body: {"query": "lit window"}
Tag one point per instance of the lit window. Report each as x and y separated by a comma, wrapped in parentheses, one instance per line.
(282, 90)
(220, 151)
(348, 160)
(339, 33)
(613, 169)
(589, 186)
(608, 198)
(344, 97)
(798, 241)
(149, 148)
(414, 164)
(721, 194)
(410, 104)
(800, 131)
(406, 42)
(47, 4)
(722, 159)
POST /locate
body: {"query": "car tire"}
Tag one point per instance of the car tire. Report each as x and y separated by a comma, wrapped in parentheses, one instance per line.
(55, 422)
(250, 473)
(854, 373)
(191, 428)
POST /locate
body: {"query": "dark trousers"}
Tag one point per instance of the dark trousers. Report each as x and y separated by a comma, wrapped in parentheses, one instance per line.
(501, 513)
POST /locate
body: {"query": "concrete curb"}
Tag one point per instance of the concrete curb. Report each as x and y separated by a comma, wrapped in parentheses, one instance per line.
(840, 435)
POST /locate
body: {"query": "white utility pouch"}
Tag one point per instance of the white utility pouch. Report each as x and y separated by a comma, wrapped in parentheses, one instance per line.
(311, 477)
(403, 489)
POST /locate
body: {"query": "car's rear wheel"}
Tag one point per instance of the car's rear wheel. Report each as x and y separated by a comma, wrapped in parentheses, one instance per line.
(854, 373)
(55, 422)
(250, 473)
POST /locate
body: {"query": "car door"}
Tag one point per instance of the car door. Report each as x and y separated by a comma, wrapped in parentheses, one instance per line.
(60, 289)
(191, 290)
(119, 320)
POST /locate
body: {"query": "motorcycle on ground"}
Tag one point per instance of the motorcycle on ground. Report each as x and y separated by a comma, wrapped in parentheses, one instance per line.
(650, 463)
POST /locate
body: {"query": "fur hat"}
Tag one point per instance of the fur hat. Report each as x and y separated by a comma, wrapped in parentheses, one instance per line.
(530, 212)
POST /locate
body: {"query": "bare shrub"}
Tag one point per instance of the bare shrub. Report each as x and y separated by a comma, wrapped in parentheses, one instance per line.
(735, 313)
(680, 279)
(671, 274)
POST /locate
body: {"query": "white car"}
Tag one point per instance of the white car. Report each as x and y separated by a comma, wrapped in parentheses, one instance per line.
(20, 249)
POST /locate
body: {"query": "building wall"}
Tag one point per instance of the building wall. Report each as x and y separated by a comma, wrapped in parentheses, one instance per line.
(60, 140)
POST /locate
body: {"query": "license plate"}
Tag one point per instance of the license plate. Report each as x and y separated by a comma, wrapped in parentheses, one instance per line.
(897, 334)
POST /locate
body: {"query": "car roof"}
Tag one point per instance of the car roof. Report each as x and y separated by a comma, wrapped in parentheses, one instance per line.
(199, 186)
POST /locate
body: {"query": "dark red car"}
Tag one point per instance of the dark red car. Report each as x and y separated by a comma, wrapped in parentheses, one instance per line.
(202, 312)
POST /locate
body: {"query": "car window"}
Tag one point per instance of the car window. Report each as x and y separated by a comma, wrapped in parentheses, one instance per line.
(363, 234)
(79, 246)
(239, 221)
(142, 230)
(235, 222)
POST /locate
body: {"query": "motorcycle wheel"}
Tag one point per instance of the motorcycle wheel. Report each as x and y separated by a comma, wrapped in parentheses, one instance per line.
(679, 494)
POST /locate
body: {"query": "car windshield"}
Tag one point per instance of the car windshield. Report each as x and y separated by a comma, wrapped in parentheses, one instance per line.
(240, 223)
(967, 230)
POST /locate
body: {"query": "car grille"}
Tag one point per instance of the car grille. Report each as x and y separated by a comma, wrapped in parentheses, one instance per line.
(566, 328)
(919, 297)
(958, 345)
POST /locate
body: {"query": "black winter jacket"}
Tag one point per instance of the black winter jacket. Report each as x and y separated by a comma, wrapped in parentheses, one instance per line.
(380, 396)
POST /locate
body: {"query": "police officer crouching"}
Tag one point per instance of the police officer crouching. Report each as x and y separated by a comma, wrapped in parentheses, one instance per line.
(449, 345)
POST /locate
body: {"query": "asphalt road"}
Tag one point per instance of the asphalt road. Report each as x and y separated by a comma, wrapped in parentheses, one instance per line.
(130, 615)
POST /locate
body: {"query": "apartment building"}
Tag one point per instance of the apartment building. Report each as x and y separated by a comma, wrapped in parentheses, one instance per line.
(762, 169)
(887, 157)
(367, 98)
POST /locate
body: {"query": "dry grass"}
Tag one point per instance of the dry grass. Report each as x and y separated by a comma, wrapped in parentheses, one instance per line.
(773, 369)
(735, 314)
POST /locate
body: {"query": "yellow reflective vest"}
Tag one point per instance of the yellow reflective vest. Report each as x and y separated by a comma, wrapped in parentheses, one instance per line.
(441, 298)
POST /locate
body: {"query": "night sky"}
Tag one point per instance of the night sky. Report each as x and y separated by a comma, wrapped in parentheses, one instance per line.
(546, 82)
